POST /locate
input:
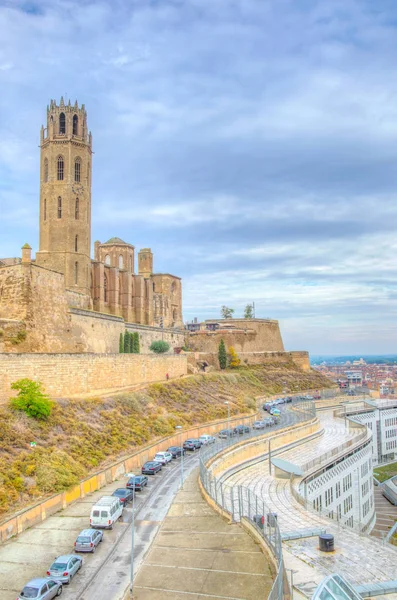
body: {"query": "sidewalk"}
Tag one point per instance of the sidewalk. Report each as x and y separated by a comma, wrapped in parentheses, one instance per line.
(197, 555)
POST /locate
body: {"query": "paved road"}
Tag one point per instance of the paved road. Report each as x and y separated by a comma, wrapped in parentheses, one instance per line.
(386, 514)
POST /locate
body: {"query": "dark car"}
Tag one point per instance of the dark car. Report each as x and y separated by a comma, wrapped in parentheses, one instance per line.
(137, 482)
(176, 451)
(190, 445)
(198, 442)
(226, 433)
(240, 429)
(125, 494)
(151, 467)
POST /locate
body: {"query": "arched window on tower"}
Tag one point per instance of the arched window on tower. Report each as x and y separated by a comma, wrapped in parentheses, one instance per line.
(107, 259)
(45, 170)
(45, 210)
(105, 287)
(59, 207)
(121, 262)
(77, 209)
(62, 123)
(77, 169)
(88, 173)
(120, 291)
(173, 287)
(60, 168)
(75, 125)
(76, 272)
(76, 243)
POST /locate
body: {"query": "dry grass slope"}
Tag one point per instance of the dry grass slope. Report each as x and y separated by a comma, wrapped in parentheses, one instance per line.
(83, 435)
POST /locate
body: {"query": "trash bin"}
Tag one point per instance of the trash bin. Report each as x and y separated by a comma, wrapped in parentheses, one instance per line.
(271, 519)
(259, 520)
(326, 541)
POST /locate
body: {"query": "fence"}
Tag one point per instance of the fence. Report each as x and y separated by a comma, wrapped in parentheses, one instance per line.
(241, 502)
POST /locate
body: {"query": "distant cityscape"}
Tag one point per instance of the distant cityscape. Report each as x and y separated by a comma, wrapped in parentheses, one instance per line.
(372, 373)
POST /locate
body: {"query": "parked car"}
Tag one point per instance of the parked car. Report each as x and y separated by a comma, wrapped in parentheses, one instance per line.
(226, 433)
(207, 439)
(163, 457)
(198, 442)
(137, 482)
(176, 451)
(275, 412)
(151, 468)
(125, 495)
(240, 429)
(88, 540)
(258, 425)
(269, 421)
(41, 588)
(65, 567)
(106, 512)
(189, 445)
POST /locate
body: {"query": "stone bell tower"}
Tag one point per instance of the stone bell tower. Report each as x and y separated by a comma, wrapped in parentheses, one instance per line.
(65, 195)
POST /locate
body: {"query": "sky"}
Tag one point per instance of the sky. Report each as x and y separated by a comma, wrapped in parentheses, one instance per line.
(251, 144)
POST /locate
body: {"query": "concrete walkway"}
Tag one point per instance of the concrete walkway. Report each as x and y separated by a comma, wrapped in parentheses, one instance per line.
(197, 555)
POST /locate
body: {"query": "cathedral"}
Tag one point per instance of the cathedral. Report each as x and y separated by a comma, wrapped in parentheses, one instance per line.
(108, 283)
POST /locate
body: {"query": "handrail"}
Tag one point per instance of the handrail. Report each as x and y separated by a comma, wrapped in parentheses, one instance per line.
(239, 501)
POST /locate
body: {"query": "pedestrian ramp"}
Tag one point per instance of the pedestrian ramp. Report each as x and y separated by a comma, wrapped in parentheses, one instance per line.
(301, 533)
(367, 590)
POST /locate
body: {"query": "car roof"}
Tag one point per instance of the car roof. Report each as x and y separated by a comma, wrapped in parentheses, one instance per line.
(37, 581)
(117, 489)
(64, 557)
(87, 532)
(137, 476)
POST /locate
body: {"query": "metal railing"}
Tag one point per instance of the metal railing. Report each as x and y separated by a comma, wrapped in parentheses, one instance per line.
(241, 502)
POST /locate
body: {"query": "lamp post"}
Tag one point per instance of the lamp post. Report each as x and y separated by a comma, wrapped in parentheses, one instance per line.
(179, 428)
(132, 544)
(228, 420)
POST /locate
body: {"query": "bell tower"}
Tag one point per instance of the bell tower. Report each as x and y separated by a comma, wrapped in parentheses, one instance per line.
(65, 195)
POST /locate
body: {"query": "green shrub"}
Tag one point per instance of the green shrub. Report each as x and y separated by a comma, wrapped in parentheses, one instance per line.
(121, 344)
(159, 347)
(136, 348)
(31, 399)
(222, 355)
(126, 342)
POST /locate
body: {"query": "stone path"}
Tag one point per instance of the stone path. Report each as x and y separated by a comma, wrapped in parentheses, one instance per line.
(197, 555)
(386, 514)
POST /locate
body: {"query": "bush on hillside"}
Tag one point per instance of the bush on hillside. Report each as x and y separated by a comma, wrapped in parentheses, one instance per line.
(31, 399)
(233, 358)
(159, 347)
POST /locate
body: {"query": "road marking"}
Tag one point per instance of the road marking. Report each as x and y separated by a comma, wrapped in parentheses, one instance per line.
(209, 570)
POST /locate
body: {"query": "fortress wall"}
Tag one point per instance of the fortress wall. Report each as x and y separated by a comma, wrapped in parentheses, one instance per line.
(147, 335)
(251, 335)
(77, 374)
(301, 359)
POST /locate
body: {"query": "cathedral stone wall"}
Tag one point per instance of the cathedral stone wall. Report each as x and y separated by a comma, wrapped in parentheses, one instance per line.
(78, 374)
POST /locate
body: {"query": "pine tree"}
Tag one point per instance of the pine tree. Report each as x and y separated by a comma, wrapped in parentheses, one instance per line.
(135, 343)
(121, 343)
(222, 356)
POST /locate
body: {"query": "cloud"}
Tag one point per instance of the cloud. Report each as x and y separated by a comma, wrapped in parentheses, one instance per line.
(251, 144)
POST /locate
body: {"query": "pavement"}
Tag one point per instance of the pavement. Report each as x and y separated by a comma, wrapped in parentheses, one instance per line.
(197, 554)
(386, 514)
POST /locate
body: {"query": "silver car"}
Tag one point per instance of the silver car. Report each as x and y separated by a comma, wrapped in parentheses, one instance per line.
(65, 567)
(88, 540)
(41, 589)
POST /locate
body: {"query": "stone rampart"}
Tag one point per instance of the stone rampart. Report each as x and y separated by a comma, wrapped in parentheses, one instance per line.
(75, 374)
(301, 359)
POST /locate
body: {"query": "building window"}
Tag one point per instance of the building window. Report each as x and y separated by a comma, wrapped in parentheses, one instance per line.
(77, 169)
(172, 287)
(77, 209)
(121, 262)
(76, 243)
(59, 207)
(107, 259)
(75, 125)
(105, 287)
(60, 168)
(76, 272)
(45, 170)
(45, 210)
(62, 123)
(88, 174)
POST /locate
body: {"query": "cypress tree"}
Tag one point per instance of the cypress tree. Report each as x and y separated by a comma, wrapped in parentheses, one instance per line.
(126, 342)
(121, 344)
(135, 343)
(222, 355)
(130, 341)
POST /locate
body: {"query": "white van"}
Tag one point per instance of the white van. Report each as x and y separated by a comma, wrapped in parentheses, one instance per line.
(106, 512)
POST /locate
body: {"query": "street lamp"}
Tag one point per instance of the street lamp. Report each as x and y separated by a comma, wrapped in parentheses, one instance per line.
(179, 427)
(132, 543)
(228, 419)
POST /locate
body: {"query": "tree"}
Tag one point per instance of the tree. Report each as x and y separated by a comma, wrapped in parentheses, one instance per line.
(121, 343)
(234, 359)
(31, 399)
(136, 348)
(249, 311)
(159, 347)
(222, 356)
(226, 312)
(127, 343)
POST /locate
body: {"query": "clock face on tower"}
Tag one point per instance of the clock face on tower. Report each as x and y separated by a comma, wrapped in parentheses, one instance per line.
(77, 189)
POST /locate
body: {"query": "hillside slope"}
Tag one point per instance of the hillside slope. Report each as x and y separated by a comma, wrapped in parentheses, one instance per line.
(83, 435)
